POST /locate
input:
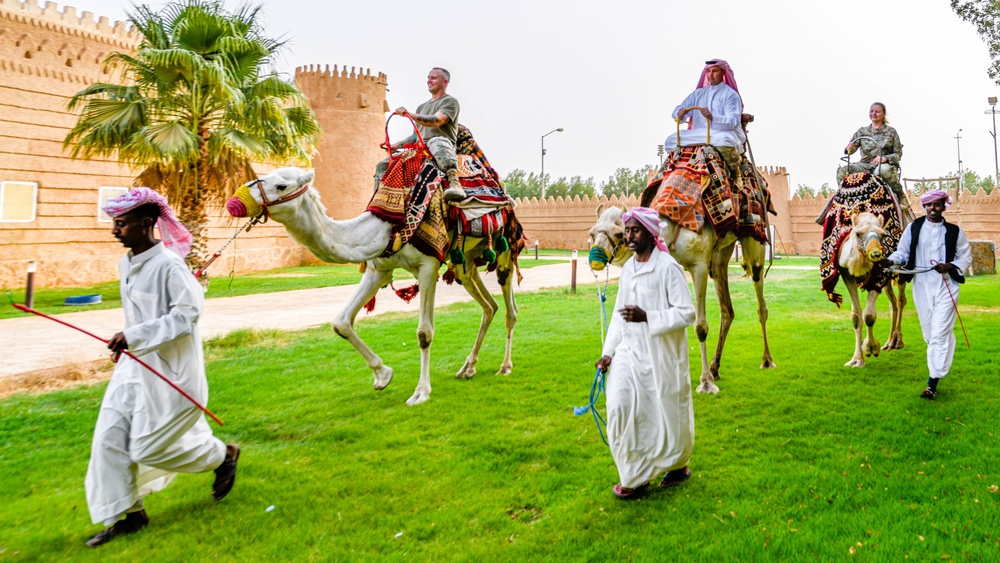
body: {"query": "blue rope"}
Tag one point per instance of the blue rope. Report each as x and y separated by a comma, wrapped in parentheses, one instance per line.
(595, 392)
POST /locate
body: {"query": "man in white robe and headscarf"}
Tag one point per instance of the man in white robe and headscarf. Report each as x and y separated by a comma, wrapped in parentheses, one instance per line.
(650, 413)
(932, 242)
(146, 431)
(719, 99)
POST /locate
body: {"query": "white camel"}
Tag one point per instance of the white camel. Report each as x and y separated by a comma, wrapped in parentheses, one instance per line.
(702, 255)
(290, 199)
(858, 253)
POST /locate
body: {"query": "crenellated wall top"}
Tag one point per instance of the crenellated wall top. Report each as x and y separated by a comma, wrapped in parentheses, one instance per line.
(355, 73)
(67, 20)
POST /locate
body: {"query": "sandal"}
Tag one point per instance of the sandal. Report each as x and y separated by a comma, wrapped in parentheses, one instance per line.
(625, 493)
(675, 477)
(225, 474)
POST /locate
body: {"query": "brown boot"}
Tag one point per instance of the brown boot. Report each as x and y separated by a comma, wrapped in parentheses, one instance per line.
(133, 522)
(454, 192)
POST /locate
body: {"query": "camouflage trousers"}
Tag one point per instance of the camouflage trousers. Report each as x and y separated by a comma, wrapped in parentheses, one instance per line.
(442, 149)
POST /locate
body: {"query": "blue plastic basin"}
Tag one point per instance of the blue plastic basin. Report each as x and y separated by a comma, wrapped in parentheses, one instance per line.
(83, 300)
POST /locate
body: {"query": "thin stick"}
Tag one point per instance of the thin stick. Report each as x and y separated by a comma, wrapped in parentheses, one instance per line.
(142, 363)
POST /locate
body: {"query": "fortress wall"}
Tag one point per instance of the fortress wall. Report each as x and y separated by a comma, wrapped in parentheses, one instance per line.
(47, 55)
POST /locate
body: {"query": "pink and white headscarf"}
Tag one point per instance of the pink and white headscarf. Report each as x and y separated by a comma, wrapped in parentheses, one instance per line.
(651, 221)
(728, 77)
(175, 236)
(935, 195)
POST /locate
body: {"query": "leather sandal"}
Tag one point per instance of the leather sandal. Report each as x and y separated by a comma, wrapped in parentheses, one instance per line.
(625, 493)
(225, 474)
(133, 522)
(675, 477)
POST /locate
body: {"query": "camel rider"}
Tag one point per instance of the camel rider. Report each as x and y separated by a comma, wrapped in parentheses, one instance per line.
(437, 120)
(719, 98)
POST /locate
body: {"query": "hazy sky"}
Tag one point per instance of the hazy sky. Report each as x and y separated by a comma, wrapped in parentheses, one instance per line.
(610, 73)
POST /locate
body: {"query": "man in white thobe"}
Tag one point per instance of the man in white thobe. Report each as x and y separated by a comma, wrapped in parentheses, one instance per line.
(719, 99)
(931, 241)
(650, 413)
(146, 431)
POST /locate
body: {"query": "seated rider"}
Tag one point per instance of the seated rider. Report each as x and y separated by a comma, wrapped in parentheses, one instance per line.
(880, 157)
(719, 98)
(437, 120)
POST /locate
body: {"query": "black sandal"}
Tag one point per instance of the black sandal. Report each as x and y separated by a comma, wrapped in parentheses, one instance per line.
(675, 477)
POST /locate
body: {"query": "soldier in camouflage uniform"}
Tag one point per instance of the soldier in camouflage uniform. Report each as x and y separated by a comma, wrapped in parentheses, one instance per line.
(881, 157)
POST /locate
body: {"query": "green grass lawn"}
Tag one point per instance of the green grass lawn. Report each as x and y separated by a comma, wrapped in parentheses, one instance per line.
(50, 299)
(810, 461)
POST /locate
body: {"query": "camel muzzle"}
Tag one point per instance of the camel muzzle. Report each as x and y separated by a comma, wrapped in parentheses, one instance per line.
(598, 258)
(242, 204)
(873, 247)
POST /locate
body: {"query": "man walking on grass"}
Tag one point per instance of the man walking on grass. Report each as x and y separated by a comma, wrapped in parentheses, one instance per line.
(650, 415)
(146, 431)
(932, 242)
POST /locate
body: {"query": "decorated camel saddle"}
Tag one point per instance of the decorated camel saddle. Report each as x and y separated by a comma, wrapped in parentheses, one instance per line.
(694, 185)
(410, 196)
(859, 192)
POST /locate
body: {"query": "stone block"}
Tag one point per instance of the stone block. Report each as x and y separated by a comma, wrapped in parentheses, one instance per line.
(984, 259)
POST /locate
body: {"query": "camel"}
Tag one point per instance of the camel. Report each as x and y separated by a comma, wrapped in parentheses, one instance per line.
(856, 258)
(702, 254)
(288, 197)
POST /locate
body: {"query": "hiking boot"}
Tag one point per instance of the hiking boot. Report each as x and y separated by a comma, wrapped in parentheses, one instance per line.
(455, 192)
(133, 522)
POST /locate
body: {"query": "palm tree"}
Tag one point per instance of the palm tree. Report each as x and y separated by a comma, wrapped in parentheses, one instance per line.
(195, 108)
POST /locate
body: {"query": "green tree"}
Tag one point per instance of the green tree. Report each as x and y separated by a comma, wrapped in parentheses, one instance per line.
(575, 186)
(521, 184)
(985, 15)
(626, 182)
(803, 190)
(194, 107)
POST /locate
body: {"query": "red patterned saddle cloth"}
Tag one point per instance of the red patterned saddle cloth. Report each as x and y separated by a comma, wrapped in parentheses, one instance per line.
(691, 186)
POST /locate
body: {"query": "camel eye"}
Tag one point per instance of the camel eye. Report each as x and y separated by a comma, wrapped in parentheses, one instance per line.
(281, 187)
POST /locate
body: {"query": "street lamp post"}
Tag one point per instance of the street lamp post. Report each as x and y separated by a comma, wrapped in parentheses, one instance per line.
(559, 130)
(958, 143)
(992, 100)
(660, 150)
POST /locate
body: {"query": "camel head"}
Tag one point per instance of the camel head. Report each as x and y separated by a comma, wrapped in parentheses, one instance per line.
(270, 193)
(607, 238)
(868, 230)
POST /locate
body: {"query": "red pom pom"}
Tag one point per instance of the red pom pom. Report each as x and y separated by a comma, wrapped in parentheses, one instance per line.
(370, 305)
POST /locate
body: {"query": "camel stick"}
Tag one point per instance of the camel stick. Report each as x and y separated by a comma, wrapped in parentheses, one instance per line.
(27, 309)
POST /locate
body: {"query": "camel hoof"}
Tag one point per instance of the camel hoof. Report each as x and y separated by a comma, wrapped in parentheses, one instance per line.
(505, 369)
(708, 388)
(383, 377)
(419, 396)
(467, 371)
(855, 363)
(768, 363)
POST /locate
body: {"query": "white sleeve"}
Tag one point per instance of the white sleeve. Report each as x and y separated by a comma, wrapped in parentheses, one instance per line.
(680, 311)
(614, 337)
(902, 254)
(963, 252)
(185, 302)
(732, 113)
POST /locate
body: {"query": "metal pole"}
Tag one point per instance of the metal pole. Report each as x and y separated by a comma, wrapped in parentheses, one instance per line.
(543, 166)
(29, 291)
(996, 161)
(572, 283)
(958, 143)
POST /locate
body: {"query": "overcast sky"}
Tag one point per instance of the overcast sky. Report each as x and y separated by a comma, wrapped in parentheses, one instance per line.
(610, 73)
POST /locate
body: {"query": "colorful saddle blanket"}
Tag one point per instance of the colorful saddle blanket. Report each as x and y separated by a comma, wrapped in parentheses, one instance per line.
(752, 203)
(693, 185)
(479, 180)
(410, 199)
(858, 193)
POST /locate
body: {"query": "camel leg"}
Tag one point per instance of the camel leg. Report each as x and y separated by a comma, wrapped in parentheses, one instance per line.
(473, 284)
(510, 307)
(753, 263)
(858, 361)
(426, 275)
(699, 273)
(870, 346)
(343, 324)
(896, 304)
(720, 274)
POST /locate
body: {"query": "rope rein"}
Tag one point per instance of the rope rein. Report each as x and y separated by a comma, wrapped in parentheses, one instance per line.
(597, 387)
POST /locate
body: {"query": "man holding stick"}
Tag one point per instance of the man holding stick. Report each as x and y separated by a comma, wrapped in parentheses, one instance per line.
(147, 432)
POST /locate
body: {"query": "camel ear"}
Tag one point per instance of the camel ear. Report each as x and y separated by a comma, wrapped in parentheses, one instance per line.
(854, 220)
(307, 178)
(600, 209)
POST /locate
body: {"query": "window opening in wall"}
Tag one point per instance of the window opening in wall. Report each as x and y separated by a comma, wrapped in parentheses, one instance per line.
(18, 201)
(103, 195)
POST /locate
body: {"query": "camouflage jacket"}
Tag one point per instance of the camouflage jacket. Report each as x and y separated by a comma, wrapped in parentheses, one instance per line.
(887, 139)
